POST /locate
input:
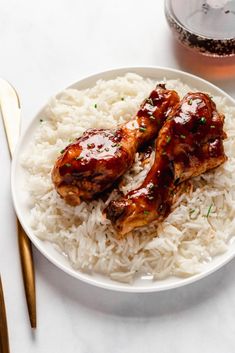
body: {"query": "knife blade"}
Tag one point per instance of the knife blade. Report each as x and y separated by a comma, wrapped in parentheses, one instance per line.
(10, 111)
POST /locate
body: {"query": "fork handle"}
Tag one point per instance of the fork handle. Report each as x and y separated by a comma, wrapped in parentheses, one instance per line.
(4, 339)
(26, 257)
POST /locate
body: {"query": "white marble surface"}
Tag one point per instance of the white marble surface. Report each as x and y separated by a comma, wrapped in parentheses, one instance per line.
(45, 46)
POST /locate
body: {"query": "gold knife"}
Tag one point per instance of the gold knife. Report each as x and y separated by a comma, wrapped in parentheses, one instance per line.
(4, 340)
(10, 109)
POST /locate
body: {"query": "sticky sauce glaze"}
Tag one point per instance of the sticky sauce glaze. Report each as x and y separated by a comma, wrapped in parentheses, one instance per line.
(95, 145)
(193, 130)
(190, 142)
(100, 156)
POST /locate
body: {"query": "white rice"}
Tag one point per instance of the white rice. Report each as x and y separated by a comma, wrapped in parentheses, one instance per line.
(199, 228)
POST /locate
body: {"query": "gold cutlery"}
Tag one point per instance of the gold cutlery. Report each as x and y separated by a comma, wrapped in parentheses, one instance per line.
(4, 341)
(10, 109)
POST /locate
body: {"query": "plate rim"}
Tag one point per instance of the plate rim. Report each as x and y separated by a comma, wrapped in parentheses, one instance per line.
(84, 277)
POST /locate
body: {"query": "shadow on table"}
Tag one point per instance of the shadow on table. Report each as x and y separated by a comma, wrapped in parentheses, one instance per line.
(220, 71)
(136, 305)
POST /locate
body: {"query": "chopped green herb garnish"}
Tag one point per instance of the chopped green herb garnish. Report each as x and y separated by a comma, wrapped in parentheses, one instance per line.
(62, 151)
(168, 139)
(151, 186)
(95, 105)
(191, 211)
(90, 145)
(209, 211)
(146, 212)
(183, 136)
(149, 101)
(142, 129)
(106, 149)
(190, 102)
(41, 120)
(122, 98)
(67, 165)
(116, 145)
(202, 120)
(79, 158)
(212, 126)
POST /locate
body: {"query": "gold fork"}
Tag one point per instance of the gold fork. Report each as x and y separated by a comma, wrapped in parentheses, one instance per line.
(4, 341)
(10, 109)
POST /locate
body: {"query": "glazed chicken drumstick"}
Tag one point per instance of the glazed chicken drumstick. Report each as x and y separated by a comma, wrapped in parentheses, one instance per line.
(99, 157)
(189, 144)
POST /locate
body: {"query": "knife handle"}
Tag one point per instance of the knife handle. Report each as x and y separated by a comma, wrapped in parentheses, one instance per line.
(26, 257)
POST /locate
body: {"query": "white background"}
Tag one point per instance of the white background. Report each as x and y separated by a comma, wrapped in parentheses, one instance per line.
(44, 47)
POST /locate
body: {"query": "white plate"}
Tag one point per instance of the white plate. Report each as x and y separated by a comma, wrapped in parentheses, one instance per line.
(19, 196)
